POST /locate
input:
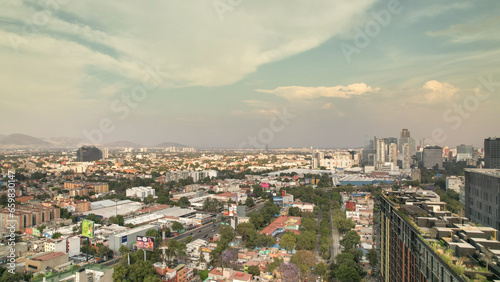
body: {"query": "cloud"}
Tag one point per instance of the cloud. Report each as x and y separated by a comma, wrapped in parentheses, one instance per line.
(294, 93)
(326, 106)
(435, 91)
(486, 30)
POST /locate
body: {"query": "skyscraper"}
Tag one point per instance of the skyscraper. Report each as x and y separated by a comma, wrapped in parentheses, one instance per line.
(407, 139)
(405, 133)
(393, 153)
(88, 154)
(406, 156)
(381, 152)
(482, 196)
(105, 153)
(433, 156)
(492, 152)
(369, 152)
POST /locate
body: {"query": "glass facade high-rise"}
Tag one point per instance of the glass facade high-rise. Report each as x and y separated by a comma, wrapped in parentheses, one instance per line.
(492, 153)
(88, 154)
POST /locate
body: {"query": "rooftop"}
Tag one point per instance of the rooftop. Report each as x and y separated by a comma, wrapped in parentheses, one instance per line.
(485, 171)
(48, 256)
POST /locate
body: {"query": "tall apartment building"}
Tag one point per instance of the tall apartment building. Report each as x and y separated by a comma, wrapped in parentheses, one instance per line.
(381, 149)
(98, 187)
(27, 216)
(482, 196)
(393, 153)
(369, 152)
(405, 138)
(140, 192)
(407, 253)
(317, 156)
(492, 153)
(406, 156)
(176, 175)
(88, 154)
(432, 156)
(105, 153)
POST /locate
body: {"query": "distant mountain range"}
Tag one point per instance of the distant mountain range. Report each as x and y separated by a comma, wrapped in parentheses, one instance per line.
(18, 139)
(121, 144)
(169, 144)
(23, 140)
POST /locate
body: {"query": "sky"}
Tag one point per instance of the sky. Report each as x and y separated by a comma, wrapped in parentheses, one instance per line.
(240, 73)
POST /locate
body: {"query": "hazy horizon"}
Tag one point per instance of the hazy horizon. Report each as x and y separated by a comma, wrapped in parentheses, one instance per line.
(285, 73)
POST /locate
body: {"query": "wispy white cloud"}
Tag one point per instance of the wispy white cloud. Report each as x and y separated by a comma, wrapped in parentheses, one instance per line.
(294, 93)
(486, 30)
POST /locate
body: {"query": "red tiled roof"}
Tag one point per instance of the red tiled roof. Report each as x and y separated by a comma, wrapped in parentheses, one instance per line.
(279, 222)
(48, 256)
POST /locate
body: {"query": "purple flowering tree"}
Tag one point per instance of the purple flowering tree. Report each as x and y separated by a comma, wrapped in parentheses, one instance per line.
(227, 257)
(290, 272)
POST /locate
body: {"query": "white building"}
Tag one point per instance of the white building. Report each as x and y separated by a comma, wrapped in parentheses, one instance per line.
(70, 245)
(140, 192)
(457, 184)
(381, 152)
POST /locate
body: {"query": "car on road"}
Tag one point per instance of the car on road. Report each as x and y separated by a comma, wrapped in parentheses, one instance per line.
(199, 231)
(191, 233)
(205, 236)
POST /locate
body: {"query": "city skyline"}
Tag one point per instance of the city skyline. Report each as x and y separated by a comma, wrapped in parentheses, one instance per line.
(218, 75)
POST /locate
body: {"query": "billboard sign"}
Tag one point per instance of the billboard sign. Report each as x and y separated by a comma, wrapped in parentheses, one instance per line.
(36, 232)
(264, 185)
(124, 239)
(88, 228)
(146, 243)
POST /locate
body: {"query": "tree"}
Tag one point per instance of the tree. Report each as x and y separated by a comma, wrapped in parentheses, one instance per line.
(320, 269)
(177, 226)
(350, 240)
(306, 241)
(56, 235)
(188, 239)
(243, 229)
(309, 224)
(94, 218)
(123, 250)
(41, 228)
(288, 241)
(228, 256)
(117, 220)
(372, 257)
(203, 274)
(152, 233)
(305, 260)
(254, 270)
(290, 272)
(294, 211)
(103, 251)
(274, 265)
(184, 202)
(175, 249)
(257, 190)
(249, 202)
(346, 273)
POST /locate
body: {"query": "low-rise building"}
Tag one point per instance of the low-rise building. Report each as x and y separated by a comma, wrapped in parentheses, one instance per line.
(45, 261)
